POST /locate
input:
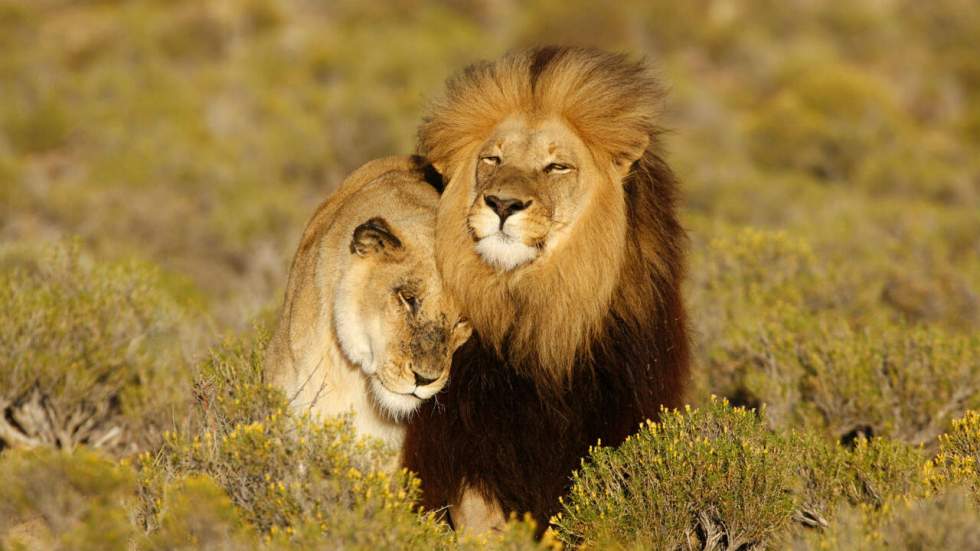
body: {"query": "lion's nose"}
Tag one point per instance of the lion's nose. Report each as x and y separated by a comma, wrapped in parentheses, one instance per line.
(504, 207)
(421, 380)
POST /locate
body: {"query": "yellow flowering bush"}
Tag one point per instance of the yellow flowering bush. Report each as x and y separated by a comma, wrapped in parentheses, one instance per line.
(958, 460)
(287, 476)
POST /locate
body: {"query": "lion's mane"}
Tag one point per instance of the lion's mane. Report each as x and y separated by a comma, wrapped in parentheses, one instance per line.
(586, 345)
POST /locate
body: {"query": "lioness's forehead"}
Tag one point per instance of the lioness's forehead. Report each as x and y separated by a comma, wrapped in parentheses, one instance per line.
(535, 140)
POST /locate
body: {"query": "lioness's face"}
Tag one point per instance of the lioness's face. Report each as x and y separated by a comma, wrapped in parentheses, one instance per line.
(393, 319)
(532, 182)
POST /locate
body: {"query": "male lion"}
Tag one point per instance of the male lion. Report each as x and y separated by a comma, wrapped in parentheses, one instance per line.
(557, 234)
(365, 327)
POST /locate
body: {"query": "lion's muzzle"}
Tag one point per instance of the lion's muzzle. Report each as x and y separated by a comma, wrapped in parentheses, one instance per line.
(508, 220)
(503, 207)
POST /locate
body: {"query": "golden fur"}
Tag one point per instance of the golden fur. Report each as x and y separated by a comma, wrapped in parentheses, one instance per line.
(365, 327)
(603, 114)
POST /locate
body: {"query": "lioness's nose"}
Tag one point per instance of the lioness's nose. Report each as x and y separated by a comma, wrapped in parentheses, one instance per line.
(421, 380)
(504, 206)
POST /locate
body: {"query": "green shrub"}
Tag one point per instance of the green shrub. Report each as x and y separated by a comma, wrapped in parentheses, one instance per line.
(870, 474)
(696, 478)
(824, 121)
(91, 353)
(901, 380)
(567, 22)
(821, 347)
(54, 500)
(739, 275)
(740, 278)
(939, 294)
(40, 123)
(950, 520)
(197, 514)
(880, 470)
(9, 183)
(942, 172)
(718, 476)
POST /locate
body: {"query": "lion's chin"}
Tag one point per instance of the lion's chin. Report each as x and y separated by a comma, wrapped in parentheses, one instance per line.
(505, 253)
(396, 406)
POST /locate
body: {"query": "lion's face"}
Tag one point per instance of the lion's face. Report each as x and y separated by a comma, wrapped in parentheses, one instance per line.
(531, 236)
(556, 206)
(393, 319)
(532, 182)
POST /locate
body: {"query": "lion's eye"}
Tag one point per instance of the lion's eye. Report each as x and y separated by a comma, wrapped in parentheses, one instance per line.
(557, 168)
(493, 160)
(410, 301)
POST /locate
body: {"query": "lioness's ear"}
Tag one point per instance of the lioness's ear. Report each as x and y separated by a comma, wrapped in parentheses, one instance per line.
(375, 237)
(629, 155)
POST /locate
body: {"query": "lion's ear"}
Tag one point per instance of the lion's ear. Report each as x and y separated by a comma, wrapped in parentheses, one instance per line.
(434, 176)
(440, 167)
(375, 237)
(629, 154)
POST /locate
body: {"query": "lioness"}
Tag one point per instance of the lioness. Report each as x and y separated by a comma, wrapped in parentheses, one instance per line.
(365, 327)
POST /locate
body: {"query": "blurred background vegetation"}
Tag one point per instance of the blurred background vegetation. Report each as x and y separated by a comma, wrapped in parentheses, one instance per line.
(159, 158)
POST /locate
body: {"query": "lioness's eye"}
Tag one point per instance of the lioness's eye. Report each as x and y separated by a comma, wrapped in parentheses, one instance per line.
(557, 168)
(491, 160)
(410, 301)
